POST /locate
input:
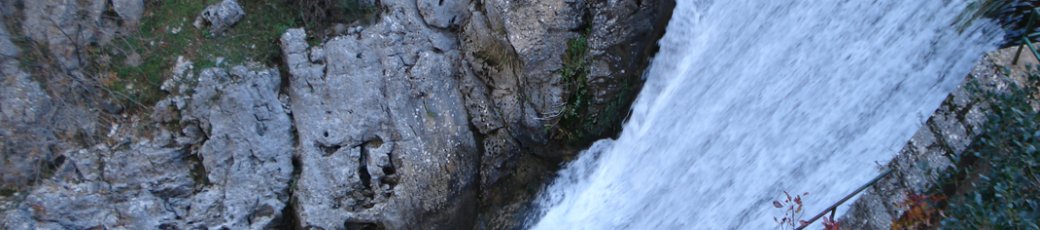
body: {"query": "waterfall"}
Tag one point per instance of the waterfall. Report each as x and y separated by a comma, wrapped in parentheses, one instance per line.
(749, 98)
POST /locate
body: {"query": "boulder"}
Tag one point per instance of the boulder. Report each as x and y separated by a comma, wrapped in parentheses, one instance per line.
(220, 17)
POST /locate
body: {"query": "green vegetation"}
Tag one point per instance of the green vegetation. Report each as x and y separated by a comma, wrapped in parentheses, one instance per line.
(1003, 168)
(996, 181)
(572, 123)
(136, 65)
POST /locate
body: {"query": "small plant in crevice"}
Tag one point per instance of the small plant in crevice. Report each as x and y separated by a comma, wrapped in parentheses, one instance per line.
(574, 74)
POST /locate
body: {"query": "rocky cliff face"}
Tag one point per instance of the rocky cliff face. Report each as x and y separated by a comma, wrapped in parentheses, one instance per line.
(437, 114)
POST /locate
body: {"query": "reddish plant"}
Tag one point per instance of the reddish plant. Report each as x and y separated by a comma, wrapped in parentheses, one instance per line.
(921, 211)
(829, 223)
(792, 207)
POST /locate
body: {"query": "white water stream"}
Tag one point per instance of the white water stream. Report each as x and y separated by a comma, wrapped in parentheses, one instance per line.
(750, 98)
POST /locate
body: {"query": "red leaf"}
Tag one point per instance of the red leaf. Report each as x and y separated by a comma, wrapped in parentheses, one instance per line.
(803, 223)
(777, 204)
(830, 224)
(798, 200)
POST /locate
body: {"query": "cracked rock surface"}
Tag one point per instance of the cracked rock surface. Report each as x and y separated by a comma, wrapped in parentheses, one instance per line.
(233, 172)
(384, 138)
(432, 115)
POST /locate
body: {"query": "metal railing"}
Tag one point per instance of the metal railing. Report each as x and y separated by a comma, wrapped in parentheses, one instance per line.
(1034, 14)
(833, 208)
(1027, 42)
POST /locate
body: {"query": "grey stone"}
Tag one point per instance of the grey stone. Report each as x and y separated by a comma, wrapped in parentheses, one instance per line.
(864, 214)
(384, 138)
(950, 129)
(7, 48)
(247, 156)
(444, 14)
(65, 26)
(140, 188)
(26, 133)
(220, 17)
(129, 10)
(242, 157)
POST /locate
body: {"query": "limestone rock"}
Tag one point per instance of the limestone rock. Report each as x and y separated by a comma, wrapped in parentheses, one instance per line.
(384, 139)
(220, 17)
(140, 188)
(248, 153)
(444, 14)
(236, 176)
(384, 126)
(129, 10)
(25, 136)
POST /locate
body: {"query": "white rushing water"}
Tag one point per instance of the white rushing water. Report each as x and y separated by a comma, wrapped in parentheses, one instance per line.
(751, 98)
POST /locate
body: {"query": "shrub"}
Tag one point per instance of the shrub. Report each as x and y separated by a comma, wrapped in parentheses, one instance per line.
(1005, 179)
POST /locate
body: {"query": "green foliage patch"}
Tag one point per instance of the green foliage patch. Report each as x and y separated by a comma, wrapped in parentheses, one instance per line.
(1003, 171)
(135, 65)
(572, 126)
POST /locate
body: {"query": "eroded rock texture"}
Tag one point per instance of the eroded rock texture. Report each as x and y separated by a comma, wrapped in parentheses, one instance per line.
(384, 140)
(46, 99)
(229, 167)
(432, 115)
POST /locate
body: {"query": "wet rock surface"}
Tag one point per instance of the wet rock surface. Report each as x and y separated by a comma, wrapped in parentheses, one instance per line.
(514, 91)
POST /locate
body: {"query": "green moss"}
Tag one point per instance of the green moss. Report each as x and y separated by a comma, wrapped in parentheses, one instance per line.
(166, 32)
(573, 126)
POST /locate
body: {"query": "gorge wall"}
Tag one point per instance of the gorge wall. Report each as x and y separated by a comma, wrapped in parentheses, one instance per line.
(434, 114)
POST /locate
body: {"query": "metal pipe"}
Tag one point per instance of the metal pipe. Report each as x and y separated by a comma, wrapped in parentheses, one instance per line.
(834, 207)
